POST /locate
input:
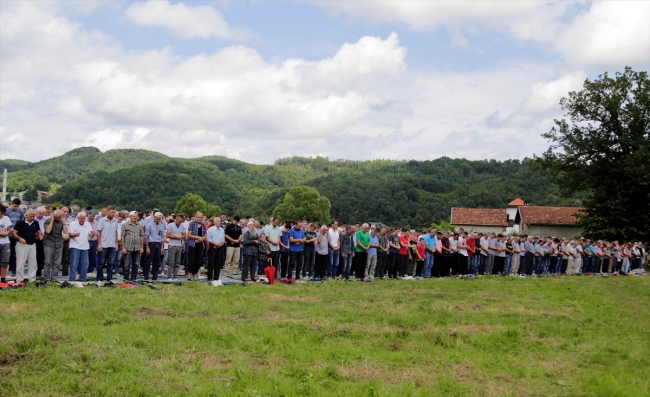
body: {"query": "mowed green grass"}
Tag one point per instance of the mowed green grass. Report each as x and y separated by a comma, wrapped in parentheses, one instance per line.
(573, 336)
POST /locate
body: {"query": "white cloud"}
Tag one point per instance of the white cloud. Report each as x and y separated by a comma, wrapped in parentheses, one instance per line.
(542, 103)
(522, 19)
(608, 34)
(545, 96)
(108, 138)
(14, 92)
(81, 88)
(185, 21)
(612, 34)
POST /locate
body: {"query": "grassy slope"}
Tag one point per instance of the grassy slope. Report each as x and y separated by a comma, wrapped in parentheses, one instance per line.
(490, 337)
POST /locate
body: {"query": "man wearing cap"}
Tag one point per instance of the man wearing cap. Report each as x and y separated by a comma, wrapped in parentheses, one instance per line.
(153, 238)
(107, 238)
(132, 246)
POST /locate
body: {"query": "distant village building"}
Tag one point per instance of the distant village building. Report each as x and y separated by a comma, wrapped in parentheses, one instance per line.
(42, 195)
(480, 219)
(518, 217)
(549, 221)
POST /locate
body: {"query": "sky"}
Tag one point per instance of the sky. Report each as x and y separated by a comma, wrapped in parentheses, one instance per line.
(261, 80)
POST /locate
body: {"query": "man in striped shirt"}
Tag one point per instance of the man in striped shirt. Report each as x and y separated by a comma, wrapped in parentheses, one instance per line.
(132, 246)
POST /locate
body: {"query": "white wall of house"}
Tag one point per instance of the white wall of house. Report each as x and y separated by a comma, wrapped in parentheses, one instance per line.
(512, 229)
(553, 230)
(482, 228)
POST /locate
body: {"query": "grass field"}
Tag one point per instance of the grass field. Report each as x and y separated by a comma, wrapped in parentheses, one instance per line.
(574, 336)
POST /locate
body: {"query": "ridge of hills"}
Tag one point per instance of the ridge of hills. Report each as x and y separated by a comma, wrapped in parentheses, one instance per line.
(405, 193)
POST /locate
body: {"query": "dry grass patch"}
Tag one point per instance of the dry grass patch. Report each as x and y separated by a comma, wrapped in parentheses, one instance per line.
(208, 360)
(155, 311)
(495, 386)
(17, 307)
(366, 372)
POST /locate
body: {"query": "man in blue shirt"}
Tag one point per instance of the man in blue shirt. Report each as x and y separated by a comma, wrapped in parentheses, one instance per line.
(107, 243)
(430, 249)
(15, 214)
(154, 236)
(296, 245)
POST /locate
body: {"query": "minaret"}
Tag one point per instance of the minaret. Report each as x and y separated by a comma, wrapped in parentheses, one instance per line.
(4, 186)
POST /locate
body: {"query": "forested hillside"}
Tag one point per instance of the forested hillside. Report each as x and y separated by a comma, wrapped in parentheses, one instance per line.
(408, 193)
(59, 170)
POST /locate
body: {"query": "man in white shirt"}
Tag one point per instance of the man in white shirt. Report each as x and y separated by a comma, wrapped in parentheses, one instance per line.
(333, 251)
(273, 234)
(79, 231)
(462, 254)
(216, 241)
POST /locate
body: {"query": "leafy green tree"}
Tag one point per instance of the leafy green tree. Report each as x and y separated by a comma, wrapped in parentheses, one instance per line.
(442, 226)
(304, 202)
(190, 203)
(30, 195)
(603, 147)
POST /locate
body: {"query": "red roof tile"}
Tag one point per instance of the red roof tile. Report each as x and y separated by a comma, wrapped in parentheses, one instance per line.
(479, 216)
(548, 215)
(517, 202)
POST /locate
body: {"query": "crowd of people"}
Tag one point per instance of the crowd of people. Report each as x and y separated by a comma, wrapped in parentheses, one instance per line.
(54, 242)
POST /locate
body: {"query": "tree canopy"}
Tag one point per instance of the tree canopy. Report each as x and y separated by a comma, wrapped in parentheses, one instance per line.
(30, 195)
(602, 146)
(304, 203)
(190, 203)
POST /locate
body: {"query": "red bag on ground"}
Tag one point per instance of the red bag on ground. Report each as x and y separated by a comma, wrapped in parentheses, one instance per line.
(270, 272)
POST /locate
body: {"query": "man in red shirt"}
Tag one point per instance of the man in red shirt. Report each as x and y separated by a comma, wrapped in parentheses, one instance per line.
(471, 250)
(404, 252)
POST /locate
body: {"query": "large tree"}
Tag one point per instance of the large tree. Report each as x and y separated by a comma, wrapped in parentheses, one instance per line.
(603, 147)
(304, 203)
(190, 203)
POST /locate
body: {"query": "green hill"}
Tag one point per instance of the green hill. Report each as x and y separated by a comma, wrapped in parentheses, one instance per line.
(41, 175)
(407, 193)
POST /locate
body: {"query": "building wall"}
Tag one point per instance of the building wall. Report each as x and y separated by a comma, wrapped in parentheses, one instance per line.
(482, 228)
(553, 230)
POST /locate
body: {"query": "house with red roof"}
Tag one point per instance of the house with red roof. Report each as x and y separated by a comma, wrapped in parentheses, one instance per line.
(520, 218)
(480, 219)
(549, 221)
